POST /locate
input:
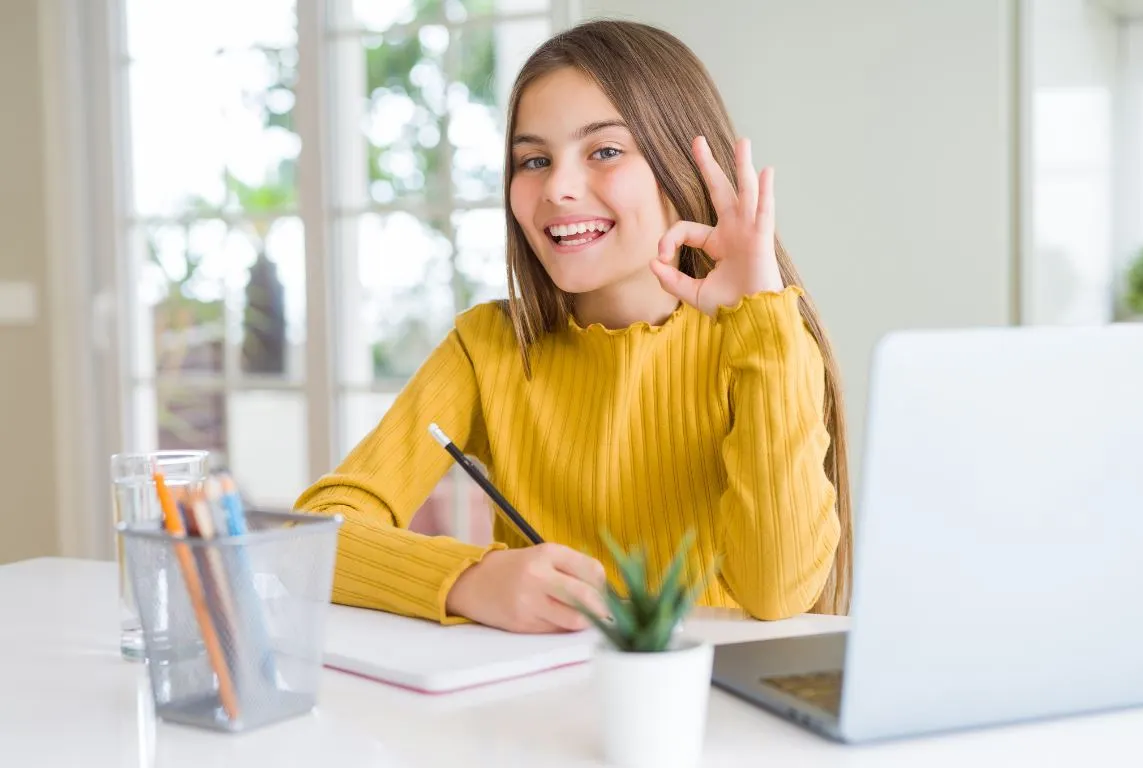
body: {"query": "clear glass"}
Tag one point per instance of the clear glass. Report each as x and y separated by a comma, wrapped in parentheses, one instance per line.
(401, 304)
(481, 269)
(380, 16)
(136, 503)
(271, 473)
(361, 412)
(405, 88)
(488, 57)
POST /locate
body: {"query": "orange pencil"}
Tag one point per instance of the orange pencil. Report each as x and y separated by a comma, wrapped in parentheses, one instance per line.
(173, 522)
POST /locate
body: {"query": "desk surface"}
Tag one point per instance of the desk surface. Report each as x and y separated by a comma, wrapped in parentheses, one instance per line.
(66, 698)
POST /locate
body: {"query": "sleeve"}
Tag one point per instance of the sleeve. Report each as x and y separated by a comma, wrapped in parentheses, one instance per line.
(778, 521)
(387, 477)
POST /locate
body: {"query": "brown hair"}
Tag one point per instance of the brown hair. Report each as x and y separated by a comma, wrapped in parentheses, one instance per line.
(666, 97)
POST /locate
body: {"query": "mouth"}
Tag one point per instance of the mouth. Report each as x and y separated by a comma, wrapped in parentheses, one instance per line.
(578, 236)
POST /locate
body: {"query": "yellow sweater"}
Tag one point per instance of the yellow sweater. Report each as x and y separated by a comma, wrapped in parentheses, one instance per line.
(711, 424)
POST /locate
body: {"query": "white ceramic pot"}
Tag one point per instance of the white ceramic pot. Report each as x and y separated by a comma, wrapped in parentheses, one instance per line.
(652, 706)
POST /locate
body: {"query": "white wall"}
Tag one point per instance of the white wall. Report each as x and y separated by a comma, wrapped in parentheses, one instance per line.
(1069, 269)
(28, 522)
(1128, 241)
(889, 123)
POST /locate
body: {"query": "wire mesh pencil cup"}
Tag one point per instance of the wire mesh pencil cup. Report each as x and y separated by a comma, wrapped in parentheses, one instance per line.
(234, 626)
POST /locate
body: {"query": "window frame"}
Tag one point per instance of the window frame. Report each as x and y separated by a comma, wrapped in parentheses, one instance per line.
(87, 106)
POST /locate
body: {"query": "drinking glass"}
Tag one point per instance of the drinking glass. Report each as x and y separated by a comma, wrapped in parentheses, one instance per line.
(137, 502)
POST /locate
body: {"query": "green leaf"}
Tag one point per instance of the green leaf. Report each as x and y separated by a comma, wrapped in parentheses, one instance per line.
(645, 622)
(664, 628)
(610, 631)
(633, 570)
(621, 612)
(671, 586)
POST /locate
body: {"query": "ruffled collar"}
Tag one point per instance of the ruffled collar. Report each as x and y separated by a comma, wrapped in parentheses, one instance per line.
(637, 328)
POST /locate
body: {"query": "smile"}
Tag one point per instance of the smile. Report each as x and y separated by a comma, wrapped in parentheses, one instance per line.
(577, 235)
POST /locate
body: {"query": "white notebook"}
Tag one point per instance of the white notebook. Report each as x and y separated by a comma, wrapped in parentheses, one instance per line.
(427, 657)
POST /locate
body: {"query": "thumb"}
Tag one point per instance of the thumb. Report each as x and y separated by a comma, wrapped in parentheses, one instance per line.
(674, 282)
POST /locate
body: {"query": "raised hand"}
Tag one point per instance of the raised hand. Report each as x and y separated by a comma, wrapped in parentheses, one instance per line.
(741, 243)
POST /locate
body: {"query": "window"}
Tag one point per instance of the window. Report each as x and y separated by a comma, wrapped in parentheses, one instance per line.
(313, 193)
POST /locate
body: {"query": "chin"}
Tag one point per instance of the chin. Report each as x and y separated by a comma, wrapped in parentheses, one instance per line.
(574, 282)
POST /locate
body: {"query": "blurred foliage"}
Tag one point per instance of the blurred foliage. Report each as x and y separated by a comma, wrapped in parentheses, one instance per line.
(1133, 286)
(412, 166)
(398, 63)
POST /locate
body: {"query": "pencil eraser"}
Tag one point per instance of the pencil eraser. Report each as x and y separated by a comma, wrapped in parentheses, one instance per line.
(438, 435)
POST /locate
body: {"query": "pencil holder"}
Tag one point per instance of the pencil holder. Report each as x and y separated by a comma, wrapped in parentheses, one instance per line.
(234, 626)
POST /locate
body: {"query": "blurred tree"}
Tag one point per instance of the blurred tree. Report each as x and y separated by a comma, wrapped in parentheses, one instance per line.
(415, 164)
(413, 167)
(264, 316)
(264, 340)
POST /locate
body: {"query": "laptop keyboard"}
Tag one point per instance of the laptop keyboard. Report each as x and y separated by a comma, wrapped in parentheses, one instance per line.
(822, 689)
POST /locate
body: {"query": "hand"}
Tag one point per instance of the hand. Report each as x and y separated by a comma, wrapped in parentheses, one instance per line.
(530, 590)
(741, 243)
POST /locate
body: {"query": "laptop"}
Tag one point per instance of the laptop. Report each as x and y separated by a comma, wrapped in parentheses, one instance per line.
(998, 566)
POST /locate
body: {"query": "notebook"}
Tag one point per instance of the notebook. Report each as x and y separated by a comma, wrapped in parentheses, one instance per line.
(428, 657)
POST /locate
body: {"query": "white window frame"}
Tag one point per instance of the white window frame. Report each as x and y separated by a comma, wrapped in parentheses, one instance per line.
(88, 194)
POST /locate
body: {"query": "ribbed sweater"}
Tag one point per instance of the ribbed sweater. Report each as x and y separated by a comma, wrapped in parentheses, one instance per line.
(712, 424)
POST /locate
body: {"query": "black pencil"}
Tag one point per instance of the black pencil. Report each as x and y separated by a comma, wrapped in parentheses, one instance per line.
(485, 483)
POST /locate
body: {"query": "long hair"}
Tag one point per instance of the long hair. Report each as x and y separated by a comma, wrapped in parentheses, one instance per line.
(666, 97)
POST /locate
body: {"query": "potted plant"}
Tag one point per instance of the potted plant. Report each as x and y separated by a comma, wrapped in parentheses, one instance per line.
(1133, 289)
(653, 681)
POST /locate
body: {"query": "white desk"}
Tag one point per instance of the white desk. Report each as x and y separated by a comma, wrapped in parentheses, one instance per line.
(67, 699)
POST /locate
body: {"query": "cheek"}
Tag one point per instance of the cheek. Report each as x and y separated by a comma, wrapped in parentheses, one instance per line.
(522, 200)
(631, 192)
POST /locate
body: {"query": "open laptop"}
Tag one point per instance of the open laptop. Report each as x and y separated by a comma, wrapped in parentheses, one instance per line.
(998, 569)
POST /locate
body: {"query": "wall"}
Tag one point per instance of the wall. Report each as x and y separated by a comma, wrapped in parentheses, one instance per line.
(1073, 113)
(889, 125)
(27, 445)
(1128, 240)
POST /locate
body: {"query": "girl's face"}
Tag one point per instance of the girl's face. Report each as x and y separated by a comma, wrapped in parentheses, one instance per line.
(581, 191)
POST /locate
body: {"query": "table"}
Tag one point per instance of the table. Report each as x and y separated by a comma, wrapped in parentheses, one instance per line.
(68, 699)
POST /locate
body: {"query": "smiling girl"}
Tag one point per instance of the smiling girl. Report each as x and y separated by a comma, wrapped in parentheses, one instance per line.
(657, 368)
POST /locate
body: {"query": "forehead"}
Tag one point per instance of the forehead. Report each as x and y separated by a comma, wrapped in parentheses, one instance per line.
(556, 104)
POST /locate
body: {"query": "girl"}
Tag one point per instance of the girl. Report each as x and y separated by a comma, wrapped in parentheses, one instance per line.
(656, 368)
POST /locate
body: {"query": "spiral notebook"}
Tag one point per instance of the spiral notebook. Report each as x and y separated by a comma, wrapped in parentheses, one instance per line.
(428, 657)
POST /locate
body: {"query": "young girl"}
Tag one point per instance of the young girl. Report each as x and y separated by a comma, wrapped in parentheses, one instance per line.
(656, 368)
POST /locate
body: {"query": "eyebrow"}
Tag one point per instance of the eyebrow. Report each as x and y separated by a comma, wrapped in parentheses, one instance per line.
(581, 133)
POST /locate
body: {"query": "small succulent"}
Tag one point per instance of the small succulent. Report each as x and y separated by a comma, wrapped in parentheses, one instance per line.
(645, 620)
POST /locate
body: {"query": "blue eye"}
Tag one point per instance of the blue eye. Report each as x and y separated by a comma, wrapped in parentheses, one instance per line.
(531, 163)
(607, 153)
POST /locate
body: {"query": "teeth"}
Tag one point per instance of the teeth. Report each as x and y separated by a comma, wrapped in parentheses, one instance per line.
(566, 230)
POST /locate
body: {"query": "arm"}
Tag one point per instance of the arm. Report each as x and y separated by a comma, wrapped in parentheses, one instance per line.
(778, 521)
(386, 478)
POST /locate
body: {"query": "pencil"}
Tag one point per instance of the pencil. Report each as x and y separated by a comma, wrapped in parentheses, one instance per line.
(200, 524)
(173, 523)
(467, 465)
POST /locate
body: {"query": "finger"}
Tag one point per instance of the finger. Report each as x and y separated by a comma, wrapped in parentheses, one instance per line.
(575, 563)
(574, 593)
(747, 180)
(563, 617)
(682, 287)
(537, 625)
(721, 191)
(765, 218)
(683, 233)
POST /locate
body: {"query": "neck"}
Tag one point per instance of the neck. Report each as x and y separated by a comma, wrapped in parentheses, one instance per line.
(639, 298)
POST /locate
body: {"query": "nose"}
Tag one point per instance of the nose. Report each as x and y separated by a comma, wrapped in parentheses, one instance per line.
(564, 183)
